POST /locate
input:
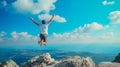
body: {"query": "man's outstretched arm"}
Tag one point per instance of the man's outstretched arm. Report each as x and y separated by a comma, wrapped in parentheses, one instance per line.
(51, 19)
(34, 21)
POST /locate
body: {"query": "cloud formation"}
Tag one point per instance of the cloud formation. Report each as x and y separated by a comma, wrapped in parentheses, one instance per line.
(14, 35)
(18, 38)
(87, 34)
(77, 38)
(93, 33)
(105, 2)
(114, 17)
(41, 8)
(30, 6)
(2, 34)
(22, 36)
(89, 27)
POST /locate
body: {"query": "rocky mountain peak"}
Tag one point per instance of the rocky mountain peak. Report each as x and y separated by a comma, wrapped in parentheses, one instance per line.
(9, 63)
(45, 60)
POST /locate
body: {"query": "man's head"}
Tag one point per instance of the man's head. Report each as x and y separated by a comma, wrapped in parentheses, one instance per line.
(43, 22)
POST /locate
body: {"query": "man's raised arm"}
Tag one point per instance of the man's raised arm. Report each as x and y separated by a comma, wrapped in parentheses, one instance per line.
(51, 19)
(34, 21)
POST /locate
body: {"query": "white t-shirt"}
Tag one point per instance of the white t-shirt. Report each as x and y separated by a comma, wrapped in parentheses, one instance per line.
(44, 28)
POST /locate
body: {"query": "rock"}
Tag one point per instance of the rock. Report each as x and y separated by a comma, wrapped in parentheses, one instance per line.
(45, 60)
(9, 63)
(40, 61)
(76, 62)
(108, 64)
(90, 62)
(117, 58)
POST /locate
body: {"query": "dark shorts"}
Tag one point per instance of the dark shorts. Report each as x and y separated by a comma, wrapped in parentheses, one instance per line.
(43, 37)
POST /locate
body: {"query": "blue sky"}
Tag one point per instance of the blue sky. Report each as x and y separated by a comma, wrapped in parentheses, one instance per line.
(75, 21)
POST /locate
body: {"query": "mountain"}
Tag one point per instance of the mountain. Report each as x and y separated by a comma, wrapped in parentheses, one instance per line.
(21, 56)
(46, 60)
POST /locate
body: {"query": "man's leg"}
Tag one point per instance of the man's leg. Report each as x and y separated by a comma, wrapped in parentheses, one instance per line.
(45, 40)
(41, 42)
(41, 39)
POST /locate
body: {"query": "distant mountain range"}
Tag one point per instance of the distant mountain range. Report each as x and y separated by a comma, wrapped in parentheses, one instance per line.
(21, 56)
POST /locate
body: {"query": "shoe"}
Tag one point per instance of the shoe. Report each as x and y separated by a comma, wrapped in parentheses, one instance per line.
(44, 43)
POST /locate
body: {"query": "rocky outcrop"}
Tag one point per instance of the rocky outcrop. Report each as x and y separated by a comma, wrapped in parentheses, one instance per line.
(117, 58)
(76, 62)
(45, 60)
(9, 63)
(40, 61)
(108, 64)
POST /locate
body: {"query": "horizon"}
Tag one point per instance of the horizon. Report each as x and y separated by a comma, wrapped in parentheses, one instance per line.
(98, 49)
(77, 24)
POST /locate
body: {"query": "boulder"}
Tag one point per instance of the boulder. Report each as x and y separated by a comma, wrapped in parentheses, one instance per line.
(9, 63)
(76, 62)
(108, 64)
(40, 61)
(117, 58)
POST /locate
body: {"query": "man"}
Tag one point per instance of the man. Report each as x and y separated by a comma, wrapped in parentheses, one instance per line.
(44, 29)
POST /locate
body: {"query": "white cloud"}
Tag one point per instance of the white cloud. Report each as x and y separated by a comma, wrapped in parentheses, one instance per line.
(22, 36)
(109, 34)
(107, 26)
(77, 38)
(86, 35)
(115, 17)
(93, 33)
(19, 38)
(30, 6)
(41, 7)
(105, 2)
(47, 17)
(89, 28)
(25, 35)
(109, 37)
(72, 37)
(57, 18)
(2, 33)
(14, 35)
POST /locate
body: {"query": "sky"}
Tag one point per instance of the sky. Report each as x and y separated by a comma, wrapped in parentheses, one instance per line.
(76, 22)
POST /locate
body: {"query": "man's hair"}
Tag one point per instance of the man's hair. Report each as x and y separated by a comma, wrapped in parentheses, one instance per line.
(43, 21)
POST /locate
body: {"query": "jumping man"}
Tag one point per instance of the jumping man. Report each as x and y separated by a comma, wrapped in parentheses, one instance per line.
(44, 29)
